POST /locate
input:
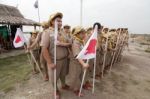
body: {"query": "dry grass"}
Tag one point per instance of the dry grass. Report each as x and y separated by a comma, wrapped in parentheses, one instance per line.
(13, 70)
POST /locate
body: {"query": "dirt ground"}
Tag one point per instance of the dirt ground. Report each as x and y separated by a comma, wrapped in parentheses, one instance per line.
(129, 79)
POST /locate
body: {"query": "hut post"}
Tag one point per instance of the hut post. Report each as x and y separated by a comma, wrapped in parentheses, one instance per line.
(34, 27)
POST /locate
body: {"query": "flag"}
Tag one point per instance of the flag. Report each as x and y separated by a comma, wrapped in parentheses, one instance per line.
(89, 50)
(36, 4)
(19, 39)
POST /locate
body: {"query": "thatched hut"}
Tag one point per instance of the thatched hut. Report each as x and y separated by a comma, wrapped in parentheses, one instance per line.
(12, 16)
(10, 20)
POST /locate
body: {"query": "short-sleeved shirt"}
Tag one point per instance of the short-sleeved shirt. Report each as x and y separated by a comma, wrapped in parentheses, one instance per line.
(48, 42)
(31, 41)
(76, 47)
(39, 37)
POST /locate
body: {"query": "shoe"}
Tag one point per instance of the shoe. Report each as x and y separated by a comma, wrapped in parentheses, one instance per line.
(66, 87)
(58, 96)
(77, 93)
(87, 86)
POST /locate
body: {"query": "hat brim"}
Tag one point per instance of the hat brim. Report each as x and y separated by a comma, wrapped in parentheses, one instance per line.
(52, 17)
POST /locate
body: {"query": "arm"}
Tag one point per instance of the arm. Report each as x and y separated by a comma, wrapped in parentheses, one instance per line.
(63, 44)
(85, 65)
(45, 42)
(36, 41)
(46, 55)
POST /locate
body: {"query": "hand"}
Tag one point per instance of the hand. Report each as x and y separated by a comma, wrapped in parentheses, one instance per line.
(85, 65)
(52, 65)
(113, 50)
(26, 51)
(58, 43)
(28, 48)
(105, 51)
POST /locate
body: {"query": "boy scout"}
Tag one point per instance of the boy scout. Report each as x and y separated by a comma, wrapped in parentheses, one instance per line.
(38, 41)
(68, 39)
(47, 44)
(35, 50)
(75, 67)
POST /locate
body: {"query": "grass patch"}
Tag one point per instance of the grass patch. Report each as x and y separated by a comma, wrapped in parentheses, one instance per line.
(13, 70)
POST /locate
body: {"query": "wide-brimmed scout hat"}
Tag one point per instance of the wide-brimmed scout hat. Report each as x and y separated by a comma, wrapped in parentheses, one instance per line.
(112, 30)
(105, 28)
(89, 29)
(72, 31)
(78, 29)
(44, 24)
(53, 16)
(66, 26)
(34, 32)
(106, 35)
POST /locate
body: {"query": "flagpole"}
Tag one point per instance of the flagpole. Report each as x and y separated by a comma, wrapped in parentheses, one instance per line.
(112, 61)
(32, 56)
(39, 12)
(28, 56)
(121, 47)
(55, 42)
(94, 74)
(105, 53)
(81, 11)
(85, 70)
(36, 64)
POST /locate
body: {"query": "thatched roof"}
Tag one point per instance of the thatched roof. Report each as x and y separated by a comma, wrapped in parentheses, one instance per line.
(11, 15)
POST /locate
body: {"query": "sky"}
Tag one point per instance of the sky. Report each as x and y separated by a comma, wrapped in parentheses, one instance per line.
(131, 14)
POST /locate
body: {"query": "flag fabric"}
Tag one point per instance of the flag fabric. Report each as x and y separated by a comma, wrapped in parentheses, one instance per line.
(89, 50)
(36, 4)
(19, 39)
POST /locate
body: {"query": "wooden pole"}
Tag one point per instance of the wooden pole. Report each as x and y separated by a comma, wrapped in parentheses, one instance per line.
(112, 61)
(106, 44)
(85, 70)
(94, 75)
(81, 12)
(55, 42)
(121, 47)
(36, 64)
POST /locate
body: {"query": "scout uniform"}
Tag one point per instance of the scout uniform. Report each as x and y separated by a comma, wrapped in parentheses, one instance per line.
(91, 61)
(67, 39)
(119, 42)
(123, 42)
(64, 38)
(38, 41)
(75, 68)
(45, 26)
(109, 51)
(35, 50)
(61, 52)
(100, 52)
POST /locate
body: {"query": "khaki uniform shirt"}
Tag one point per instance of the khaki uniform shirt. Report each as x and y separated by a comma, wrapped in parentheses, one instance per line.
(48, 42)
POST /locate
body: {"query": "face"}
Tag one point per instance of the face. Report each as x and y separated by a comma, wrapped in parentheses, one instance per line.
(67, 30)
(105, 31)
(59, 21)
(34, 35)
(118, 30)
(99, 30)
(82, 35)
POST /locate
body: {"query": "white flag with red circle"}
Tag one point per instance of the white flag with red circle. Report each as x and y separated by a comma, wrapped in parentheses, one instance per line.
(19, 39)
(89, 50)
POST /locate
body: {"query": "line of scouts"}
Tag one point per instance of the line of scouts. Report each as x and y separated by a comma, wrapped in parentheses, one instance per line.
(69, 44)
